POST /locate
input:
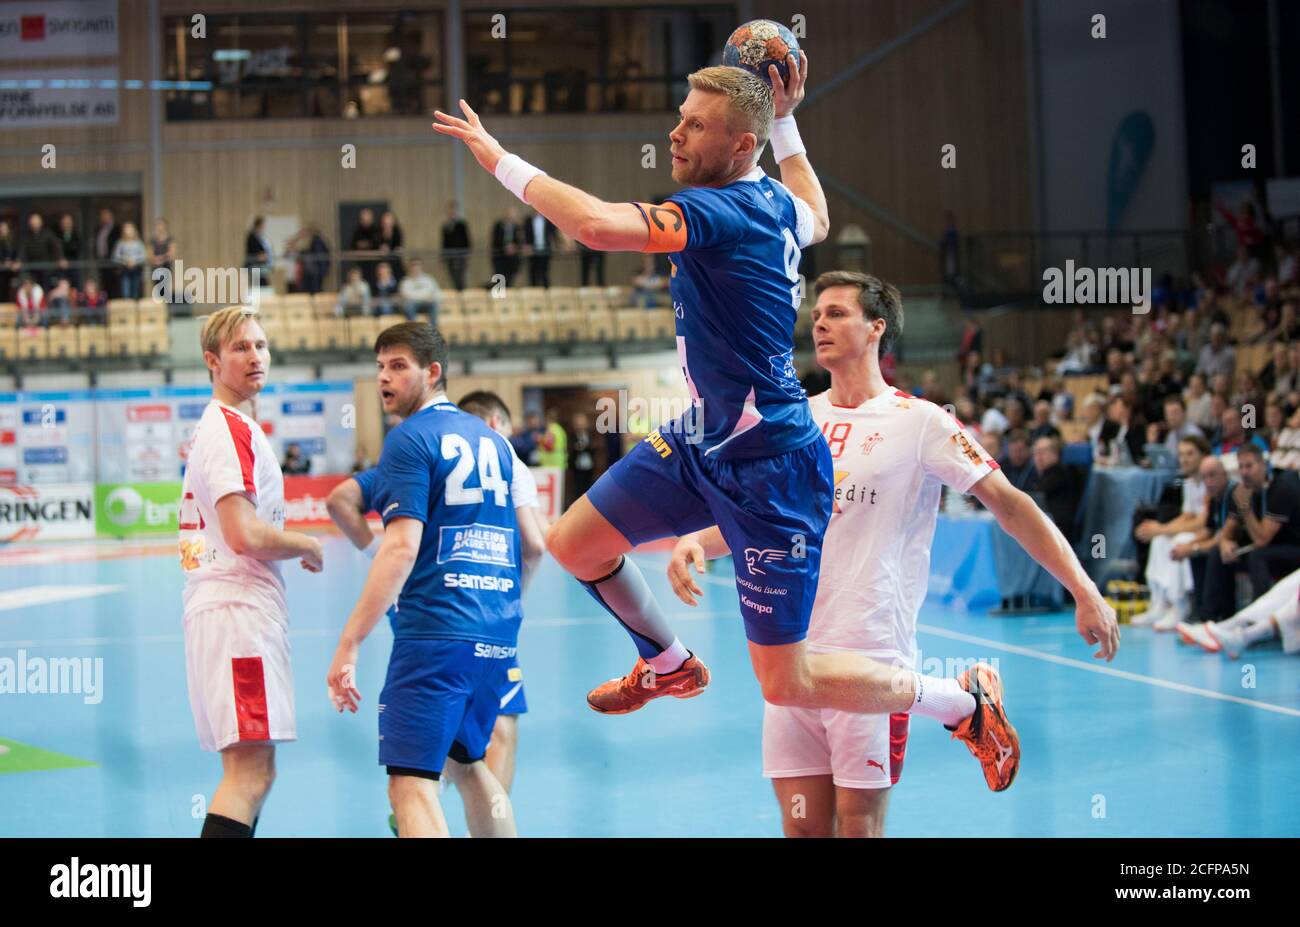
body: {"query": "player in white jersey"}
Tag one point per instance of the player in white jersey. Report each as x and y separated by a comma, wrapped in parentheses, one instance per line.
(236, 617)
(893, 453)
(348, 505)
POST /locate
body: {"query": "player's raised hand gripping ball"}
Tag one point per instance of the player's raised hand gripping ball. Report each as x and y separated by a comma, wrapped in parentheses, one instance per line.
(759, 44)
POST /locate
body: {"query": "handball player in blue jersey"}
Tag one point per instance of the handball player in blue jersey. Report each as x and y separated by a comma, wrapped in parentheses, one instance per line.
(748, 455)
(449, 560)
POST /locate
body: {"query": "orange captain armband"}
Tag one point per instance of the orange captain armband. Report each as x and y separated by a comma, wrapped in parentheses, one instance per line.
(667, 227)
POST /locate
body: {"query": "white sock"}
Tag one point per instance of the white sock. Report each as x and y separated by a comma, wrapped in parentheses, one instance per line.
(942, 699)
(1261, 630)
(671, 659)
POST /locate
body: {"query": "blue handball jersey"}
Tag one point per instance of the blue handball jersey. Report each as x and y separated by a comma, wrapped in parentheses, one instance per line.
(449, 470)
(736, 290)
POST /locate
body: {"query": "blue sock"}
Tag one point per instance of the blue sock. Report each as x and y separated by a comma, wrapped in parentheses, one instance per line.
(625, 595)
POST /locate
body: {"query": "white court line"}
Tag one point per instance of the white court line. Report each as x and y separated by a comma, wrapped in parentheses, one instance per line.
(44, 595)
(1077, 664)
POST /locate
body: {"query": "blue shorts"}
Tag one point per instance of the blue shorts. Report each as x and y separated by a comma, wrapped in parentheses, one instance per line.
(441, 698)
(772, 512)
(510, 689)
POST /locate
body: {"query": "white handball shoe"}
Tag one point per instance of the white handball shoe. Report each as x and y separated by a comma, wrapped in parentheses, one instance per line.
(1198, 635)
(1231, 640)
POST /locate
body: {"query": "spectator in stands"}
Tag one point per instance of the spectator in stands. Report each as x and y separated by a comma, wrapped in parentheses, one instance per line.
(1275, 417)
(1243, 273)
(1119, 442)
(1093, 412)
(1116, 366)
(162, 257)
(1170, 580)
(1247, 392)
(354, 298)
(1232, 434)
(525, 439)
(311, 256)
(70, 245)
(93, 304)
(507, 246)
(391, 242)
(365, 239)
(994, 420)
(294, 463)
(1175, 426)
(9, 263)
(58, 303)
(1200, 408)
(1056, 486)
(1041, 425)
(1205, 544)
(129, 255)
(1285, 454)
(455, 245)
(1217, 356)
(950, 254)
(541, 239)
(930, 388)
(385, 292)
(1080, 354)
(965, 412)
(258, 253)
(420, 293)
(553, 445)
(593, 265)
(40, 251)
(1017, 464)
(1245, 224)
(972, 339)
(1266, 503)
(1288, 326)
(31, 303)
(651, 282)
(1279, 374)
(107, 234)
(582, 462)
(1288, 267)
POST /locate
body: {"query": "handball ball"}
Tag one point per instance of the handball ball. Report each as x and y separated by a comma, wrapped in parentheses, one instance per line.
(758, 44)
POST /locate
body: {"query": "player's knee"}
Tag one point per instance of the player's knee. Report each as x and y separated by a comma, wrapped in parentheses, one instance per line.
(402, 789)
(255, 776)
(807, 827)
(559, 545)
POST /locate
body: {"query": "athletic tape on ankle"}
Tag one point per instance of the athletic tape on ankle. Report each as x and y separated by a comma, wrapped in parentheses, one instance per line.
(786, 142)
(515, 173)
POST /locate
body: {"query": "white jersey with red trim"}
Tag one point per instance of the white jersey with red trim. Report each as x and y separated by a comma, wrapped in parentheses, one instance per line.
(230, 454)
(892, 455)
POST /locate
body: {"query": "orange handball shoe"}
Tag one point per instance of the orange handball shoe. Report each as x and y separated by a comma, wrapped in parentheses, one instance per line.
(987, 733)
(620, 696)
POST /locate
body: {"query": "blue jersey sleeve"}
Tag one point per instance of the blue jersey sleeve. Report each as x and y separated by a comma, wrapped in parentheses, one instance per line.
(714, 218)
(366, 480)
(403, 475)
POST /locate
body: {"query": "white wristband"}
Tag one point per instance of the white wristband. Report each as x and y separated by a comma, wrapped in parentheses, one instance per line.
(515, 173)
(373, 547)
(786, 142)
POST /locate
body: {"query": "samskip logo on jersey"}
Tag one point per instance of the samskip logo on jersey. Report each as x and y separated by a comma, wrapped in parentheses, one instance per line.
(478, 581)
(494, 651)
(477, 543)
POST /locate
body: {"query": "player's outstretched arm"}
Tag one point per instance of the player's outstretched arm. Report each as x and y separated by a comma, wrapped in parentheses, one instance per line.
(344, 505)
(1021, 518)
(796, 170)
(388, 574)
(579, 215)
(248, 536)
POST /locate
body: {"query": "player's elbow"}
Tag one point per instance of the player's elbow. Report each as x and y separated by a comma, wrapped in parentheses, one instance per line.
(821, 228)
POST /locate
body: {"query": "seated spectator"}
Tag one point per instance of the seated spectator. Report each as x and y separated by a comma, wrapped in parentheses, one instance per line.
(1170, 580)
(1242, 273)
(1199, 408)
(1276, 614)
(993, 419)
(1232, 436)
(1205, 544)
(1017, 464)
(385, 289)
(1287, 265)
(1093, 412)
(1217, 356)
(420, 292)
(1285, 454)
(129, 255)
(1080, 353)
(294, 463)
(1266, 503)
(31, 303)
(1279, 374)
(1288, 327)
(650, 283)
(354, 298)
(1175, 426)
(1275, 416)
(58, 303)
(1041, 425)
(92, 309)
(1057, 486)
(1119, 443)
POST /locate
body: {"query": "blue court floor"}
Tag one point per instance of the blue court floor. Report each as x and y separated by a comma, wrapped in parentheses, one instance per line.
(1165, 741)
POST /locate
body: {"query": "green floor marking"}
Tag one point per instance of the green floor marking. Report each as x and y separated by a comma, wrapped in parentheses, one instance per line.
(16, 757)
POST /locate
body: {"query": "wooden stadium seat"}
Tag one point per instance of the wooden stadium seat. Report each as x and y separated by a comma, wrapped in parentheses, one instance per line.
(631, 323)
(537, 316)
(123, 341)
(8, 315)
(8, 343)
(383, 323)
(270, 307)
(92, 341)
(324, 305)
(300, 333)
(333, 333)
(570, 324)
(592, 299)
(32, 343)
(361, 333)
(152, 313)
(511, 321)
(61, 342)
(154, 337)
(275, 329)
(297, 300)
(452, 328)
(122, 310)
(661, 324)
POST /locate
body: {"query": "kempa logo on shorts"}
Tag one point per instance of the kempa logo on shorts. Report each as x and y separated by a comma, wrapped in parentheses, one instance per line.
(761, 609)
(1104, 286)
(53, 676)
(755, 557)
(88, 880)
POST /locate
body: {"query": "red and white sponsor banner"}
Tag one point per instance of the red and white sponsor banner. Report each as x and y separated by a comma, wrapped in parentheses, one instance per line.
(550, 491)
(51, 512)
(304, 501)
(58, 29)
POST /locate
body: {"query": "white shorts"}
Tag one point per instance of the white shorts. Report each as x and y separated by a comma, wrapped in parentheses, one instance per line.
(857, 751)
(240, 681)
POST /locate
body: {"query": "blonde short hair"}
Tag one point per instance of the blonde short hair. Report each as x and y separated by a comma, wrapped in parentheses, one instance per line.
(752, 109)
(220, 326)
